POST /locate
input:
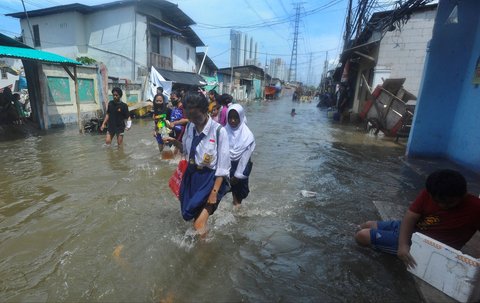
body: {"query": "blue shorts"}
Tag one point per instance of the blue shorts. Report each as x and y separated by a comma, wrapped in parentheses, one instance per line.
(385, 237)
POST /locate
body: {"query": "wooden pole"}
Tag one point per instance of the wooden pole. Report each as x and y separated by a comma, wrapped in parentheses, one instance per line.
(77, 100)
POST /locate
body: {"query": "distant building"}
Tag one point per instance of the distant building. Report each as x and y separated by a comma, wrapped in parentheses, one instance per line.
(246, 82)
(10, 69)
(278, 69)
(243, 51)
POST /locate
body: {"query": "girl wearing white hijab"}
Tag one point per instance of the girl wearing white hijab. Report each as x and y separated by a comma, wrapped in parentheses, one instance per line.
(242, 144)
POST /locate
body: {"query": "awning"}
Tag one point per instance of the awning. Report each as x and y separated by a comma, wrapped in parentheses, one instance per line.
(34, 54)
(182, 77)
(362, 49)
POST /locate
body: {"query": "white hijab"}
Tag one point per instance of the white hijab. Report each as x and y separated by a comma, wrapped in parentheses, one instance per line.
(240, 137)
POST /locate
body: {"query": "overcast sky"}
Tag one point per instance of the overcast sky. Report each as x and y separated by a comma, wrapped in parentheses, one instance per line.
(268, 22)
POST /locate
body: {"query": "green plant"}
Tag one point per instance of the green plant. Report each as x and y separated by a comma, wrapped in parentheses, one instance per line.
(86, 60)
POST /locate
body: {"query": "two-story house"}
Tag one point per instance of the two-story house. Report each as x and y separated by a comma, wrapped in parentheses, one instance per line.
(128, 36)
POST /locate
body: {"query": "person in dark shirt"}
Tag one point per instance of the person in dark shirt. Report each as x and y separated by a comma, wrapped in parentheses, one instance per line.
(117, 113)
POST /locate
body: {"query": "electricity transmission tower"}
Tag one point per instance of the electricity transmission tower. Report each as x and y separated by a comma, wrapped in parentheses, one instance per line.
(292, 73)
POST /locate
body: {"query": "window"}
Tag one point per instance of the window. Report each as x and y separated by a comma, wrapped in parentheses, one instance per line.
(36, 36)
(155, 44)
(188, 54)
(59, 90)
(86, 90)
(4, 73)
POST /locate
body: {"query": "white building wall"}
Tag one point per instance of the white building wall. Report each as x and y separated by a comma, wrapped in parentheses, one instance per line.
(402, 53)
(141, 48)
(111, 39)
(180, 61)
(10, 78)
(61, 33)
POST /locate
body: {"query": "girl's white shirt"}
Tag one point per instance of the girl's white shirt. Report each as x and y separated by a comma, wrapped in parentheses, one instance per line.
(211, 152)
(241, 140)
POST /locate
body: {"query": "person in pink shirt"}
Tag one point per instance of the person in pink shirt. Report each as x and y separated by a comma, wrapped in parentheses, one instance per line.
(225, 101)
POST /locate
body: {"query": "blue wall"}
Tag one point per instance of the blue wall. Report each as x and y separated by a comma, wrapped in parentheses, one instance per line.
(446, 122)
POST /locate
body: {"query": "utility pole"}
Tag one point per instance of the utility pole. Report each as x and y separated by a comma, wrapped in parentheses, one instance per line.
(29, 25)
(309, 69)
(292, 74)
(324, 76)
(348, 26)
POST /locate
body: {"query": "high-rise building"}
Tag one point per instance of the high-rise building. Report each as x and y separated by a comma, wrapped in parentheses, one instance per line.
(278, 69)
(243, 51)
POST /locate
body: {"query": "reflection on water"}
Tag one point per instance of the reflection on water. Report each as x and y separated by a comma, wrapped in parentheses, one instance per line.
(80, 221)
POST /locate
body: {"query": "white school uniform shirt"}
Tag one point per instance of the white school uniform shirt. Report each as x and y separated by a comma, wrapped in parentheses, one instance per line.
(242, 164)
(211, 152)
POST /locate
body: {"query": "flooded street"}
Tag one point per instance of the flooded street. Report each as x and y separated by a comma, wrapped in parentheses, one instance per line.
(80, 221)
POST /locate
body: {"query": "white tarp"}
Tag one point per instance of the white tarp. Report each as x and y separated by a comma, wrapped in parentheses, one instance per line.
(155, 81)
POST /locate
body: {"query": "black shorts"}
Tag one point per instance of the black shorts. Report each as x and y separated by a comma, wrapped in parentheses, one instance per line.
(240, 189)
(118, 132)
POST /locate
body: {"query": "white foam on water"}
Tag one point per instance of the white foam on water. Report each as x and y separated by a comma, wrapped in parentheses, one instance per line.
(146, 142)
(121, 204)
(225, 219)
(186, 241)
(308, 194)
(65, 257)
(141, 156)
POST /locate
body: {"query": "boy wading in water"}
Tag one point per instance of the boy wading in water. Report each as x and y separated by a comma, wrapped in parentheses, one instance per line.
(117, 113)
(443, 211)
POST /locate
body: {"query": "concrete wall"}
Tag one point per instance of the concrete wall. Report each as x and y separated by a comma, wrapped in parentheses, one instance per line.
(446, 117)
(179, 60)
(56, 115)
(62, 33)
(110, 39)
(402, 52)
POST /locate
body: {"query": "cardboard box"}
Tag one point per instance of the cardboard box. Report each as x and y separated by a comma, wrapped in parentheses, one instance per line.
(447, 269)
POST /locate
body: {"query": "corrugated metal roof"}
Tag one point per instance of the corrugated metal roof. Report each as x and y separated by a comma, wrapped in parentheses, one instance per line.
(192, 37)
(171, 10)
(208, 62)
(7, 41)
(34, 54)
(182, 77)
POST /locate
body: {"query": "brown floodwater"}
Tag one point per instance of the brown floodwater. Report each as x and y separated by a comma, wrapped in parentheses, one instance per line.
(80, 221)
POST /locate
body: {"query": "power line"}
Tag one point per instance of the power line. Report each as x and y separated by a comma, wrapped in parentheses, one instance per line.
(261, 18)
(283, 7)
(273, 21)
